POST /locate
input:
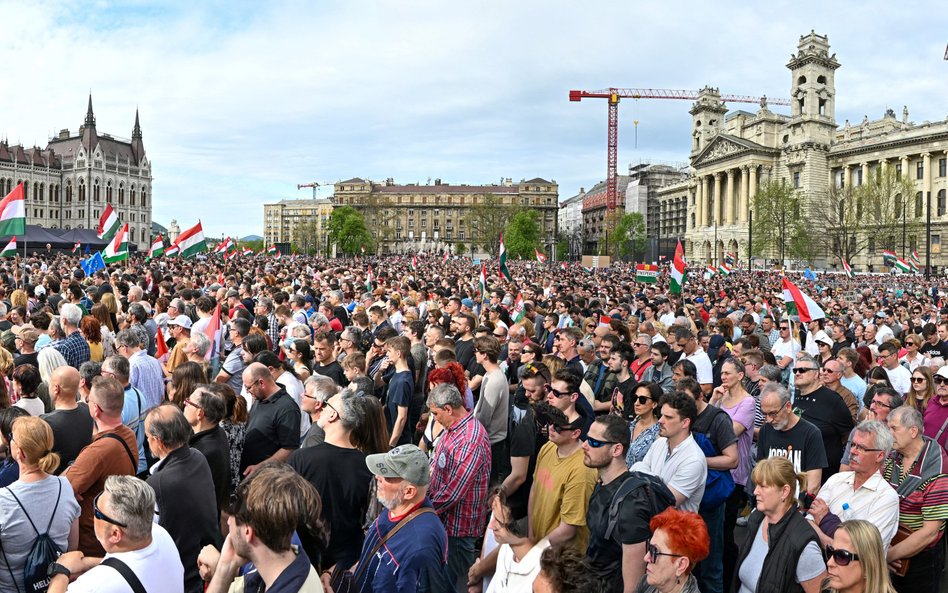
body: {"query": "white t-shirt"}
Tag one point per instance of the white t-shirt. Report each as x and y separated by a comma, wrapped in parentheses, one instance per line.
(294, 387)
(703, 365)
(901, 379)
(157, 566)
(685, 469)
(512, 576)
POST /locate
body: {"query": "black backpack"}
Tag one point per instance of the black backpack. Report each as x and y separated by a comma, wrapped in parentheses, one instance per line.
(43, 552)
(658, 495)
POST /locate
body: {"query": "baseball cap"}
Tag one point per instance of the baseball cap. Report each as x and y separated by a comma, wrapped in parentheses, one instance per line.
(821, 336)
(39, 291)
(232, 293)
(467, 303)
(405, 461)
(29, 335)
(182, 321)
(942, 372)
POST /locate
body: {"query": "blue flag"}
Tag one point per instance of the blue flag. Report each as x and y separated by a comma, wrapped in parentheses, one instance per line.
(809, 275)
(93, 264)
(87, 249)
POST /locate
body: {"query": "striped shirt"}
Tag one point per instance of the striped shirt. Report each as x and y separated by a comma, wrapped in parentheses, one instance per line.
(460, 468)
(923, 492)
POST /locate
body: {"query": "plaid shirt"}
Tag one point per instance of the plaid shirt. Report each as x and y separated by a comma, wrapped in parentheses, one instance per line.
(74, 349)
(460, 468)
(273, 331)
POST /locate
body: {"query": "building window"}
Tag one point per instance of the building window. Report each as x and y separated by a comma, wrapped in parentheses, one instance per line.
(898, 172)
(942, 165)
(858, 176)
(840, 180)
(796, 179)
(941, 203)
(920, 170)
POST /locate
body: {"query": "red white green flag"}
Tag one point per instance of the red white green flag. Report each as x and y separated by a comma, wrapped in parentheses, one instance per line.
(519, 311)
(541, 257)
(109, 223)
(483, 280)
(248, 252)
(563, 265)
(800, 304)
(849, 269)
(75, 248)
(678, 271)
(191, 242)
(502, 259)
(13, 212)
(647, 273)
(157, 247)
(271, 250)
(902, 265)
(117, 249)
(10, 249)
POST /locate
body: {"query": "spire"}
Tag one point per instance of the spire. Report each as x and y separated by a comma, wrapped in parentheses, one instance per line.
(137, 130)
(90, 117)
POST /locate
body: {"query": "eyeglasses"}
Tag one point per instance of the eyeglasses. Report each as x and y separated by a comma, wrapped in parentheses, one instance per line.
(907, 344)
(857, 447)
(939, 380)
(654, 553)
(773, 414)
(329, 405)
(784, 328)
(98, 514)
(918, 379)
(557, 393)
(801, 370)
(596, 443)
(828, 370)
(559, 429)
(841, 557)
(500, 335)
(876, 402)
(643, 399)
(641, 345)
(188, 402)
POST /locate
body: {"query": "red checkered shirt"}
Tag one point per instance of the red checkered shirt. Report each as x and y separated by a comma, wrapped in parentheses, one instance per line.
(460, 469)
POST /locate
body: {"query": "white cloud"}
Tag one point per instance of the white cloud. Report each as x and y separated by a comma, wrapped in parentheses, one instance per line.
(241, 101)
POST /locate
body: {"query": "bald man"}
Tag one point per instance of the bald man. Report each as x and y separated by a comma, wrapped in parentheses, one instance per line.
(70, 420)
(273, 431)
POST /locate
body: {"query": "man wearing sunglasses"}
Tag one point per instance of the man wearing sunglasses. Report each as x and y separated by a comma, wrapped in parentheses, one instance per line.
(621, 552)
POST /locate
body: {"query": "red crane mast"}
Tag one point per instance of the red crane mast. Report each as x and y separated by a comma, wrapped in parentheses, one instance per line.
(613, 95)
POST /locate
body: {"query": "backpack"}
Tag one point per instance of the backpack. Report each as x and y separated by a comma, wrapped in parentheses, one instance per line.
(43, 552)
(719, 484)
(658, 495)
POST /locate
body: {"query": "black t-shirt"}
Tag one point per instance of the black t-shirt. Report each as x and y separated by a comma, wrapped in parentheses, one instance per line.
(334, 371)
(274, 424)
(523, 443)
(717, 426)
(802, 444)
(464, 351)
(31, 358)
(622, 397)
(827, 411)
(342, 479)
(72, 430)
(939, 349)
(604, 557)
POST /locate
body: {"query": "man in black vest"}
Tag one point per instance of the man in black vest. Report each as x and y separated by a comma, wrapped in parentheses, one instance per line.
(184, 489)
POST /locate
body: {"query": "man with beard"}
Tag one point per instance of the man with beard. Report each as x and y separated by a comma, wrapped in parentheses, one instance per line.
(415, 554)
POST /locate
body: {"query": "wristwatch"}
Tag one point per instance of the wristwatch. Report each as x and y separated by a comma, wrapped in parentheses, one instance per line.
(56, 568)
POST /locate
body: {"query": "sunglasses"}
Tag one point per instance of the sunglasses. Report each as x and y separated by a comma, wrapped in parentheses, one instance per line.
(557, 393)
(918, 379)
(654, 553)
(596, 443)
(558, 429)
(98, 514)
(801, 370)
(643, 399)
(939, 380)
(841, 557)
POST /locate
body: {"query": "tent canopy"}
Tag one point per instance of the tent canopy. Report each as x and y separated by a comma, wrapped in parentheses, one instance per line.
(84, 236)
(37, 238)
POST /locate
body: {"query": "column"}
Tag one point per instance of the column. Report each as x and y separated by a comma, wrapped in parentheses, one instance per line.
(745, 194)
(699, 204)
(847, 177)
(706, 200)
(729, 201)
(905, 164)
(753, 180)
(865, 172)
(716, 212)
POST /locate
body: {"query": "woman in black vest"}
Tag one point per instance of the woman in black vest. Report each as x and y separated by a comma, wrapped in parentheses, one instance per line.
(781, 553)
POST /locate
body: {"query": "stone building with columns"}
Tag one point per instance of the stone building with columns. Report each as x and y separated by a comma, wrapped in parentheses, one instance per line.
(734, 153)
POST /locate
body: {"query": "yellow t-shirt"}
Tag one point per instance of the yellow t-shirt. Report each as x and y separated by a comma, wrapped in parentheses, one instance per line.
(96, 353)
(561, 491)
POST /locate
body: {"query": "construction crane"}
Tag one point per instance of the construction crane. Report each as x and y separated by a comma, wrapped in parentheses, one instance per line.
(613, 95)
(313, 185)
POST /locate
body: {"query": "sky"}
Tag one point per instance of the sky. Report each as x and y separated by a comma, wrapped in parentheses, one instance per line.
(241, 101)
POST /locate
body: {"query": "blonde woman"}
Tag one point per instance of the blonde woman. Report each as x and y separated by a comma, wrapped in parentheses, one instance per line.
(856, 560)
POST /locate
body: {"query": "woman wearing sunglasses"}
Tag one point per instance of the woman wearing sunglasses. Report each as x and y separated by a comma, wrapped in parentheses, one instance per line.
(855, 562)
(913, 358)
(923, 388)
(644, 426)
(781, 549)
(679, 541)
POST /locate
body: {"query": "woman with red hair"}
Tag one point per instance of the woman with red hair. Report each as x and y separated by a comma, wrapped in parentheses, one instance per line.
(452, 373)
(679, 541)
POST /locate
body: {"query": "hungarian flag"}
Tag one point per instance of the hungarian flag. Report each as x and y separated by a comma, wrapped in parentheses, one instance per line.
(75, 248)
(13, 212)
(271, 250)
(109, 223)
(678, 269)
(724, 269)
(540, 256)
(224, 246)
(483, 280)
(563, 265)
(212, 331)
(248, 252)
(916, 262)
(800, 304)
(368, 278)
(849, 269)
(710, 272)
(902, 265)
(157, 247)
(233, 254)
(647, 273)
(10, 249)
(278, 255)
(191, 242)
(117, 249)
(729, 259)
(445, 258)
(502, 268)
(765, 310)
(605, 320)
(519, 311)
(172, 251)
(414, 262)
(889, 255)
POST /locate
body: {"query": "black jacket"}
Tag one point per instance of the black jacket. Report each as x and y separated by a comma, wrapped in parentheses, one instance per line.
(786, 539)
(184, 492)
(213, 444)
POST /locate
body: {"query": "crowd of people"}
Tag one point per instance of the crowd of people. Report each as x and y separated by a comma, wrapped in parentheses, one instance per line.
(380, 424)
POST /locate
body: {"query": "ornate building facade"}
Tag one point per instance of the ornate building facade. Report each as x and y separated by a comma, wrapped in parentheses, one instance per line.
(732, 154)
(69, 182)
(435, 218)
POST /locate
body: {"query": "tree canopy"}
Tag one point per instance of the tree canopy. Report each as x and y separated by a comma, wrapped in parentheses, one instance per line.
(348, 231)
(486, 220)
(522, 234)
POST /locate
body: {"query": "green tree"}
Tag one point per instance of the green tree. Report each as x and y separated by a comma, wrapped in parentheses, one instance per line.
(257, 246)
(874, 215)
(522, 234)
(562, 249)
(776, 207)
(459, 248)
(627, 238)
(348, 231)
(487, 219)
(305, 239)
